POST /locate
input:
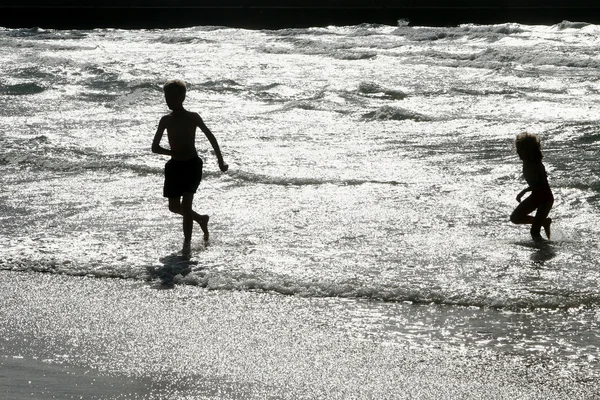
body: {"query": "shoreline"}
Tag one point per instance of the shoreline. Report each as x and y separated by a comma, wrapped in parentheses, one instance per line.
(187, 341)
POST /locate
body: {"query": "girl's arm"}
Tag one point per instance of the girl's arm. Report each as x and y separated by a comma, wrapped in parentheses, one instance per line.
(534, 174)
(522, 192)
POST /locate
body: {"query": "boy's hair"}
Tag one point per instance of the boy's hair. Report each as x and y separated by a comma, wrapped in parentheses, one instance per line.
(175, 86)
(530, 145)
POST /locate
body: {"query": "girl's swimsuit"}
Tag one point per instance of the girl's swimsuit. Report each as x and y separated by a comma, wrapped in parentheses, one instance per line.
(542, 195)
(541, 192)
(182, 177)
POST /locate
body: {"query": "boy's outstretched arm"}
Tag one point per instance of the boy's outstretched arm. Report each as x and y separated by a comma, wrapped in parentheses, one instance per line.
(158, 137)
(213, 141)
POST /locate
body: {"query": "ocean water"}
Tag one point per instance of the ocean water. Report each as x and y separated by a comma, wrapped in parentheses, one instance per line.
(371, 163)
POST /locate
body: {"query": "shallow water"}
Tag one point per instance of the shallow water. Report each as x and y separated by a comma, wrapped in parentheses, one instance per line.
(366, 162)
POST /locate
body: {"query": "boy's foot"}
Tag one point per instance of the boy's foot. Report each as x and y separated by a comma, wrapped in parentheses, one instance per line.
(204, 226)
(187, 248)
(547, 226)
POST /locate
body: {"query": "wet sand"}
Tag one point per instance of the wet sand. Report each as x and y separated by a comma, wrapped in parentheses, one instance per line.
(80, 337)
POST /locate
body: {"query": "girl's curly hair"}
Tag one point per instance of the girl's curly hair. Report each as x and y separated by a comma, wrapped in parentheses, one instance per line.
(529, 146)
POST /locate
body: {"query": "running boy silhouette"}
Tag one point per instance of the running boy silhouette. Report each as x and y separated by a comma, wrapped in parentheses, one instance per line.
(183, 172)
(541, 198)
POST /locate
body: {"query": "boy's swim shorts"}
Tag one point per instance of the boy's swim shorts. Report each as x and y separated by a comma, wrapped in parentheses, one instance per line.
(182, 177)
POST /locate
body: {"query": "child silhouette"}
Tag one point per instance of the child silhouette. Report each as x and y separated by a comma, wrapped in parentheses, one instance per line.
(529, 150)
(183, 172)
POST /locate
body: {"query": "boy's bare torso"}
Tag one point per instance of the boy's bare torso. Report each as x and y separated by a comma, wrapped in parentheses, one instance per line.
(181, 133)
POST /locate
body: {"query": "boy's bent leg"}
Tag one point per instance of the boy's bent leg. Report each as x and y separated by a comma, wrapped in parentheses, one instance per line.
(203, 221)
(176, 205)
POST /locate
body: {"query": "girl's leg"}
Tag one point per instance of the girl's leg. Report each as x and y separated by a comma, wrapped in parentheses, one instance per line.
(521, 216)
(541, 220)
(521, 213)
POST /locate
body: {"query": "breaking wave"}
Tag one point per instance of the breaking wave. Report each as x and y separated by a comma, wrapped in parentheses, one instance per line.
(178, 270)
(389, 113)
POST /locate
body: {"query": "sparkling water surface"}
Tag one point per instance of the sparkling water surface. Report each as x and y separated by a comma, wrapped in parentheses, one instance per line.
(373, 163)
